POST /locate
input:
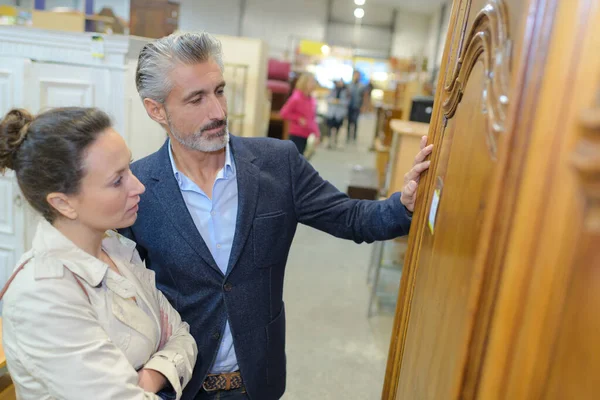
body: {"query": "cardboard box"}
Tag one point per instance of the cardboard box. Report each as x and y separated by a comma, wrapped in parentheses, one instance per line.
(60, 21)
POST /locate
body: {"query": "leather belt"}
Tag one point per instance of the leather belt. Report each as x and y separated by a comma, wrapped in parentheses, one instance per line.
(228, 381)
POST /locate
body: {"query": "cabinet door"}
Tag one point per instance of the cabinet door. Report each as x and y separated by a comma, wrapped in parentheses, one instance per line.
(58, 85)
(545, 338)
(12, 212)
(448, 285)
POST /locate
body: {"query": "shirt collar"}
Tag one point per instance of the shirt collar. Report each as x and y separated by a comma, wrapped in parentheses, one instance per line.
(55, 252)
(227, 172)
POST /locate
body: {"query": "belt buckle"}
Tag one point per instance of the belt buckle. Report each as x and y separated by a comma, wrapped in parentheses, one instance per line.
(219, 384)
(206, 388)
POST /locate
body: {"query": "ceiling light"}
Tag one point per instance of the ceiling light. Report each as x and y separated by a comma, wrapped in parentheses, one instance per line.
(359, 13)
(359, 2)
(325, 49)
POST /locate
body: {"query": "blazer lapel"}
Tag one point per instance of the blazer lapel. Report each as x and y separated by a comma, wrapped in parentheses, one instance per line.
(168, 193)
(248, 178)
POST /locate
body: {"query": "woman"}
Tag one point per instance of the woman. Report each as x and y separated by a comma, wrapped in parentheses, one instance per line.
(82, 316)
(337, 109)
(300, 110)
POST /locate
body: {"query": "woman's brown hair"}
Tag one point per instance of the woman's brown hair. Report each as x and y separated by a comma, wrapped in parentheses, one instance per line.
(47, 152)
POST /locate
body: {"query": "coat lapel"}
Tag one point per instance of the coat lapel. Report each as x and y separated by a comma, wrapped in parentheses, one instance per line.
(168, 193)
(248, 177)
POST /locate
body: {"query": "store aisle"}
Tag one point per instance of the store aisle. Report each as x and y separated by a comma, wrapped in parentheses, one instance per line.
(334, 352)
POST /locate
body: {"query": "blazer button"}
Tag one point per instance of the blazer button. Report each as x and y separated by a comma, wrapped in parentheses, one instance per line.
(228, 287)
(216, 335)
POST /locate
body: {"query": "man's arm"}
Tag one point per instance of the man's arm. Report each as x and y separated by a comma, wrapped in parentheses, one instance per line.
(319, 204)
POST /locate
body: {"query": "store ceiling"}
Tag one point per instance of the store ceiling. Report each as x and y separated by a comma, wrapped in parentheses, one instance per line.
(424, 6)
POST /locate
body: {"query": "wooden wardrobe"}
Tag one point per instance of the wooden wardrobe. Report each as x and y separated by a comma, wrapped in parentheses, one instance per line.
(500, 294)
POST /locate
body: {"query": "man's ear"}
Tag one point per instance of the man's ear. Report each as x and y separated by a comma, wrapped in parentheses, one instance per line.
(156, 111)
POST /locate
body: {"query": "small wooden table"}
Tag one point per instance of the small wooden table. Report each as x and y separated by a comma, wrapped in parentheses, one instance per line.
(364, 184)
(405, 145)
(404, 148)
(276, 117)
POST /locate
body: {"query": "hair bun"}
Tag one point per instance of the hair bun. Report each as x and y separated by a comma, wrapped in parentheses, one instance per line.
(13, 131)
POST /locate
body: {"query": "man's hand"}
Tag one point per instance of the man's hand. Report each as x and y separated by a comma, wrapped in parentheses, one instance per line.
(151, 381)
(412, 177)
(302, 121)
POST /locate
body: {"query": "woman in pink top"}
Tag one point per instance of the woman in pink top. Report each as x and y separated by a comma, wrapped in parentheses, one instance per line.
(300, 111)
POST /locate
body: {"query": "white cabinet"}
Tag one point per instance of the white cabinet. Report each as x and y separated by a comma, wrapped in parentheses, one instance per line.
(12, 78)
(12, 210)
(12, 225)
(45, 69)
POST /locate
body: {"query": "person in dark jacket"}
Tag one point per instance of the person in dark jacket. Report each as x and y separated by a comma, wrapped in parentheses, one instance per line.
(219, 215)
(356, 92)
(337, 109)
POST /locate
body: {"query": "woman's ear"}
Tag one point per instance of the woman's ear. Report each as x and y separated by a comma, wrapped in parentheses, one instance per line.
(61, 203)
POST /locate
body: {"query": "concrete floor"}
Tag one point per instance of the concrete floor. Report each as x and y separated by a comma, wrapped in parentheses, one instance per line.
(333, 350)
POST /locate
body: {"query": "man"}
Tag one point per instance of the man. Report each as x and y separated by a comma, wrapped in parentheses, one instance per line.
(356, 92)
(219, 214)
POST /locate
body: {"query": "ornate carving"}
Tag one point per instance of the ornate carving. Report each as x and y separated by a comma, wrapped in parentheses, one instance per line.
(586, 160)
(487, 41)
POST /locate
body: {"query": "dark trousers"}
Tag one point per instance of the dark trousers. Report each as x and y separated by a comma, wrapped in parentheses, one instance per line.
(300, 143)
(353, 114)
(235, 394)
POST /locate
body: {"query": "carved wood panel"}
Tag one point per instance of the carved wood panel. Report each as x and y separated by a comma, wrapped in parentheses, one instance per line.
(444, 271)
(475, 106)
(487, 41)
(576, 355)
(543, 338)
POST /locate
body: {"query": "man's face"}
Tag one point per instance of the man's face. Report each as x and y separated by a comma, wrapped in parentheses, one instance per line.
(356, 76)
(196, 108)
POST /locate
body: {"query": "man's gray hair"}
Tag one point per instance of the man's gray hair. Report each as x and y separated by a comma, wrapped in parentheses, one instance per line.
(157, 60)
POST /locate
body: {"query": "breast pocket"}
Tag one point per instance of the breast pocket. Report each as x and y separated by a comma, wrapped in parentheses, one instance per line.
(269, 236)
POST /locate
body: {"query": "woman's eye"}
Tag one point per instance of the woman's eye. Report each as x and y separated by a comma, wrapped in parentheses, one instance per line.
(117, 183)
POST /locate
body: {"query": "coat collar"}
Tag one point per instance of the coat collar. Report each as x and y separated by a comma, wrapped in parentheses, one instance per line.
(59, 252)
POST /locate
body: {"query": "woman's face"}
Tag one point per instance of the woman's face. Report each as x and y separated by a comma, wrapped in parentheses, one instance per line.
(109, 193)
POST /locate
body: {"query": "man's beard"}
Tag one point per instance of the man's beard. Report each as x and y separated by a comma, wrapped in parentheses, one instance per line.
(200, 140)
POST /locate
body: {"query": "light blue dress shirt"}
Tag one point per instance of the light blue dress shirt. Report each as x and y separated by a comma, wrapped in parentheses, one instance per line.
(215, 220)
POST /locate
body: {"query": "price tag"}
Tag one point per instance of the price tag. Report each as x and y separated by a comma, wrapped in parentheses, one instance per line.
(435, 202)
(97, 46)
